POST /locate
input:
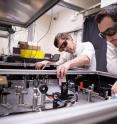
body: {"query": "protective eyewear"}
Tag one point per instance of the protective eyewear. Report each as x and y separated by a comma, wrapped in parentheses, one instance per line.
(109, 32)
(63, 46)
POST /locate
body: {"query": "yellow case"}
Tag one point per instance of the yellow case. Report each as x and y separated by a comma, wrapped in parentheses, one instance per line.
(38, 54)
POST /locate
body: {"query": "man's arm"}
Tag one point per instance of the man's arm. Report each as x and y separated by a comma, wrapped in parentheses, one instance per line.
(42, 65)
(76, 62)
(79, 61)
(114, 88)
(63, 58)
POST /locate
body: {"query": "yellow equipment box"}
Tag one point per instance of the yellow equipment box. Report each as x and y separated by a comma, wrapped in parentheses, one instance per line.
(37, 54)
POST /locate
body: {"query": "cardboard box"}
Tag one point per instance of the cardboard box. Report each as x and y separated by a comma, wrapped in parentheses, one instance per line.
(23, 45)
(28, 45)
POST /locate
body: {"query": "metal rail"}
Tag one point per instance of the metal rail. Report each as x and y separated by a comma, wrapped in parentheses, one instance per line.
(52, 72)
(41, 72)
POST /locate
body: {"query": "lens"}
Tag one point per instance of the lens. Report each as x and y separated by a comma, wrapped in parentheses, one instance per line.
(64, 45)
(110, 32)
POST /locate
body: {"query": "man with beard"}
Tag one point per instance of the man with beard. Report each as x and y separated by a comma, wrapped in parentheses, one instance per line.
(107, 24)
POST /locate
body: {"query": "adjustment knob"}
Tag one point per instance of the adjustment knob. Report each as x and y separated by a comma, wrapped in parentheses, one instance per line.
(43, 88)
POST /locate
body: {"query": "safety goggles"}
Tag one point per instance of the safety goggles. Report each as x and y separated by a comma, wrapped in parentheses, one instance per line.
(109, 32)
(63, 46)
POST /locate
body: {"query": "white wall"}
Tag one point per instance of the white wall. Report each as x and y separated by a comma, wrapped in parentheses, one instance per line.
(3, 46)
(66, 21)
(42, 26)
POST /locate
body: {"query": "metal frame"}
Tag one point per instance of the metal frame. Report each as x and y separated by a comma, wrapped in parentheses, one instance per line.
(85, 114)
(52, 72)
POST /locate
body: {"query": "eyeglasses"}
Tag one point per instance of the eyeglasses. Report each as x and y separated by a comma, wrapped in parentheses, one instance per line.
(63, 46)
(109, 32)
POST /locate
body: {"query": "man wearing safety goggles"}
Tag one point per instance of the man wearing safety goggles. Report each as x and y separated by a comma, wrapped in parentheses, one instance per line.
(75, 55)
(107, 24)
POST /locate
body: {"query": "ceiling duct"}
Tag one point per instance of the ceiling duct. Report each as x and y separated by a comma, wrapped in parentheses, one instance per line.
(79, 5)
(70, 5)
(86, 7)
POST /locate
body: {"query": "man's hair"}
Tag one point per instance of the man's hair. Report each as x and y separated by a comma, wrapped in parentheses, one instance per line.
(109, 11)
(61, 36)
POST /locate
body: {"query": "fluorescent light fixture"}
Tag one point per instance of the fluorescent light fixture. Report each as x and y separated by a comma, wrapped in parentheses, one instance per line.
(4, 34)
(105, 3)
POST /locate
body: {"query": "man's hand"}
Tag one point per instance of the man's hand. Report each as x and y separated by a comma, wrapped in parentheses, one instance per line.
(41, 65)
(62, 70)
(114, 88)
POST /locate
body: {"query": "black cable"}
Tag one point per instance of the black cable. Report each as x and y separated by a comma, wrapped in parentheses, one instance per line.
(47, 30)
(33, 40)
